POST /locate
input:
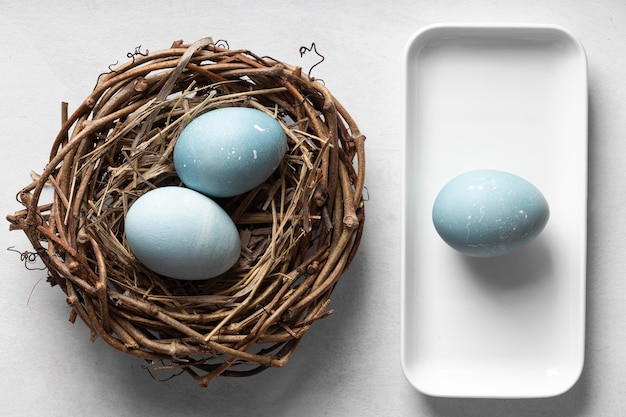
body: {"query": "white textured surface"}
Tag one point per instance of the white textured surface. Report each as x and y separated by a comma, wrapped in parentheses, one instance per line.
(349, 363)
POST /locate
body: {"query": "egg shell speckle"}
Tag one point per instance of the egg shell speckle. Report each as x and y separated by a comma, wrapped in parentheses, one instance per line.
(228, 151)
(487, 213)
(180, 233)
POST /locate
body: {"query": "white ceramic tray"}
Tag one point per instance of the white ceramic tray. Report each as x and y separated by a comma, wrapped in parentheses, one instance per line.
(509, 97)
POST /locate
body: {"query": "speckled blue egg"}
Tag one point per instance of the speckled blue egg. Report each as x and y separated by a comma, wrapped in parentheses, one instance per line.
(180, 233)
(488, 213)
(229, 151)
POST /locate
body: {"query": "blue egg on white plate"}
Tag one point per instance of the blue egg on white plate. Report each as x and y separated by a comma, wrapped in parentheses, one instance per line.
(487, 213)
(228, 151)
(182, 234)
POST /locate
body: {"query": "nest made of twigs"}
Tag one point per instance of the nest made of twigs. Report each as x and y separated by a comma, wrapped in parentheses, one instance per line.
(299, 230)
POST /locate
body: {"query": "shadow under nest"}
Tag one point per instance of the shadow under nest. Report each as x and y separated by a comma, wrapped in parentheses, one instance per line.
(300, 230)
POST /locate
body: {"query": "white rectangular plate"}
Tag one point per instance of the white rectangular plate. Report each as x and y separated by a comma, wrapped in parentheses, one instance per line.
(514, 98)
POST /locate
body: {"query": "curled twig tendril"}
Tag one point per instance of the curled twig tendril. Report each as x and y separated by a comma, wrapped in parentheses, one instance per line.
(222, 43)
(130, 55)
(113, 65)
(312, 48)
(27, 257)
(137, 52)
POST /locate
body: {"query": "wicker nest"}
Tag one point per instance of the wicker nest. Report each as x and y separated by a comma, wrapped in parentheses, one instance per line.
(299, 230)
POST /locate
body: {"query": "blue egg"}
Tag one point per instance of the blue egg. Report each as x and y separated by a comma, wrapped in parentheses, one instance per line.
(180, 233)
(488, 213)
(229, 151)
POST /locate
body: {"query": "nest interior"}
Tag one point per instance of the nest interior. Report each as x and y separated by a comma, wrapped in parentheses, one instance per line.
(299, 230)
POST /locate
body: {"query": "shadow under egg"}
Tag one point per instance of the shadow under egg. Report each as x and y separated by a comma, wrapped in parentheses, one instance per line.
(526, 266)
